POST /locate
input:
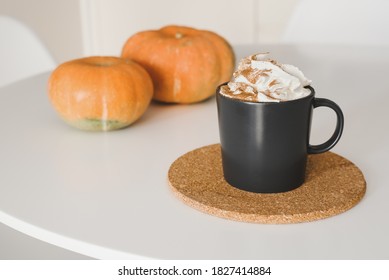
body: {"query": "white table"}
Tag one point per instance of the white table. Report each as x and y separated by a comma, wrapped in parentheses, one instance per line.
(105, 195)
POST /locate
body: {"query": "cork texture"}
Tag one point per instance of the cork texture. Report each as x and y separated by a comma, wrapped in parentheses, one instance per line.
(333, 185)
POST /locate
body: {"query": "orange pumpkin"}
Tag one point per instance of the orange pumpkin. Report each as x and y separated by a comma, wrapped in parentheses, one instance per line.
(101, 92)
(186, 64)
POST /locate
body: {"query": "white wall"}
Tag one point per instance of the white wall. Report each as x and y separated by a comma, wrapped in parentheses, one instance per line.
(273, 17)
(116, 20)
(57, 23)
(74, 28)
(108, 23)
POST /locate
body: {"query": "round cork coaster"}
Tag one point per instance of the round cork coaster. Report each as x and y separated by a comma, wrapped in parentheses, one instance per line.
(333, 185)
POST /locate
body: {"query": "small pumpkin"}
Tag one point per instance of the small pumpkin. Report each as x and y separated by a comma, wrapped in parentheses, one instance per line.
(100, 92)
(186, 64)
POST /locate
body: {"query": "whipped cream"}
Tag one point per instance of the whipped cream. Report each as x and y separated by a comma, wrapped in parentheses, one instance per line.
(260, 79)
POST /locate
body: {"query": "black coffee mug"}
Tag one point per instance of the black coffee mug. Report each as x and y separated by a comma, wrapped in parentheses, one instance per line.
(265, 145)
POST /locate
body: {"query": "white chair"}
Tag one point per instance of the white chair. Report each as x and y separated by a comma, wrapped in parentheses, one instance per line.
(22, 54)
(362, 22)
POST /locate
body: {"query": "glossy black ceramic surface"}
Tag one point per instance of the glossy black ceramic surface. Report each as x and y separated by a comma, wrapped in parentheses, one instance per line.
(265, 144)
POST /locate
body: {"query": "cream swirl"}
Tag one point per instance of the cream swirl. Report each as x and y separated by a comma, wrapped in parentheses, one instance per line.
(261, 79)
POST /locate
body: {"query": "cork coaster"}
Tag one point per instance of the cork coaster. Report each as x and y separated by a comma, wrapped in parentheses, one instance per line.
(333, 185)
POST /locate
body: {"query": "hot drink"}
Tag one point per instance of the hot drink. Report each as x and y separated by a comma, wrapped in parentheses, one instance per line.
(265, 114)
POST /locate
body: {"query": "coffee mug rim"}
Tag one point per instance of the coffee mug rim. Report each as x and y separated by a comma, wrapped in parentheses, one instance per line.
(312, 94)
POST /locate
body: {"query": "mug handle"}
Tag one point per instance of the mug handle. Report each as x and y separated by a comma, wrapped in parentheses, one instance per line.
(330, 143)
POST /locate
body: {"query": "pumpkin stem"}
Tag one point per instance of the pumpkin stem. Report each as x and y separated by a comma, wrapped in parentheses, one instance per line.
(179, 35)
